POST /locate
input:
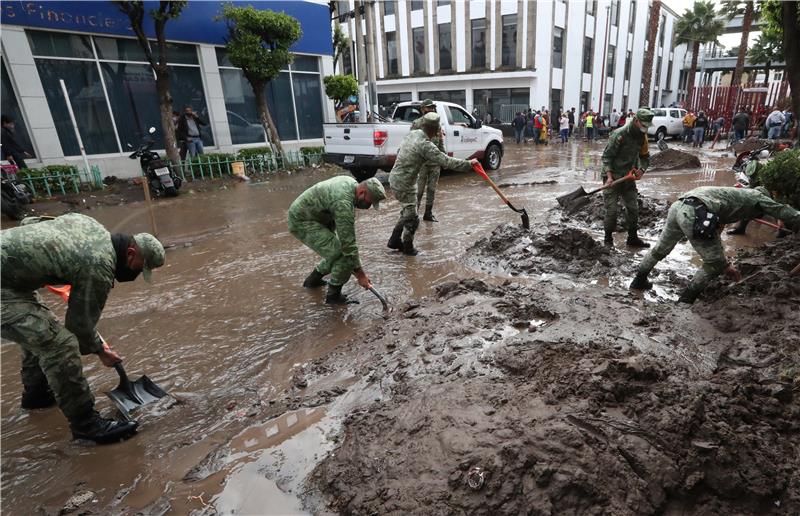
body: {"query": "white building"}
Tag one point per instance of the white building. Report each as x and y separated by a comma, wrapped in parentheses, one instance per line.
(502, 55)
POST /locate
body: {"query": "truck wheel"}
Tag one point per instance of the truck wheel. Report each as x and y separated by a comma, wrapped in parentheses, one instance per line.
(661, 133)
(493, 157)
(362, 174)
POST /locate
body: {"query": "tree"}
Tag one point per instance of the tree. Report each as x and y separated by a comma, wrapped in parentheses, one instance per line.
(782, 21)
(258, 42)
(340, 87)
(341, 42)
(749, 10)
(167, 10)
(647, 67)
(698, 25)
(767, 49)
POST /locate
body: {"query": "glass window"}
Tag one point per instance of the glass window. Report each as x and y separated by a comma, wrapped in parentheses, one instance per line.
(632, 17)
(407, 113)
(58, 44)
(308, 103)
(418, 36)
(222, 57)
(186, 88)
(479, 44)
(587, 54)
(591, 7)
(88, 103)
(119, 49)
(584, 101)
(459, 116)
(509, 49)
(558, 47)
(555, 104)
(674, 113)
(607, 104)
(614, 12)
(669, 75)
(658, 72)
(659, 112)
(279, 90)
(10, 107)
(240, 104)
(661, 28)
(611, 60)
(416, 5)
(388, 7)
(501, 103)
(179, 53)
(445, 56)
(305, 64)
(391, 53)
(347, 62)
(442, 3)
(455, 96)
(627, 65)
(387, 100)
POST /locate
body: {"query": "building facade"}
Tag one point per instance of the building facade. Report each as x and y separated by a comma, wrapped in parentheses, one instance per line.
(499, 56)
(90, 46)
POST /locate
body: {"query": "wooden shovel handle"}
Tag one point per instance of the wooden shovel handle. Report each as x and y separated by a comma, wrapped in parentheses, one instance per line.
(478, 168)
(627, 177)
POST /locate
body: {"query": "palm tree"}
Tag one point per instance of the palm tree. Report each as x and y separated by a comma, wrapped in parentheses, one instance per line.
(697, 25)
(767, 49)
(647, 67)
(750, 10)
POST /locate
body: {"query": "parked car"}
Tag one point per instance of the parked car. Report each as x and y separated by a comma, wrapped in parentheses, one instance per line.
(666, 122)
(365, 148)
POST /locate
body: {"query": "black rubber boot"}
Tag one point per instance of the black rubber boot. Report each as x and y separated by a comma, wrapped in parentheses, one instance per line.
(314, 280)
(102, 430)
(38, 398)
(335, 296)
(394, 241)
(634, 241)
(740, 228)
(409, 249)
(640, 282)
(429, 215)
(608, 241)
(688, 296)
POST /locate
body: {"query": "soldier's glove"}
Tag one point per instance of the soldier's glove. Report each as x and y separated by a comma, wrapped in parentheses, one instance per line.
(637, 173)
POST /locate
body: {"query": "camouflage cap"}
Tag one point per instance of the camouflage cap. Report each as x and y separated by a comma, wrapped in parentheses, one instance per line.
(376, 191)
(152, 253)
(645, 116)
(430, 120)
(428, 103)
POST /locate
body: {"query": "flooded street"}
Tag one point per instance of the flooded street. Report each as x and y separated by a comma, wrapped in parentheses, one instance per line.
(227, 329)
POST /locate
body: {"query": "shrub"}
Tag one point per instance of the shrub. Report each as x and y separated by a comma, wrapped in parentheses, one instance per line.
(312, 150)
(49, 170)
(782, 175)
(253, 152)
(340, 87)
(212, 162)
(312, 155)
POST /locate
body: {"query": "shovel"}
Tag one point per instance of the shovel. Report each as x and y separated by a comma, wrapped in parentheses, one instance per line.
(526, 221)
(577, 199)
(128, 396)
(382, 299)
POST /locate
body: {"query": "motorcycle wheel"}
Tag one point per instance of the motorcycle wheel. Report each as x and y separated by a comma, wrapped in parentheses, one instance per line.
(11, 207)
(171, 191)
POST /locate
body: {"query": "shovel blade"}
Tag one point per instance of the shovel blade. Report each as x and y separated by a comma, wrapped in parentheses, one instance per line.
(576, 205)
(136, 394)
(566, 199)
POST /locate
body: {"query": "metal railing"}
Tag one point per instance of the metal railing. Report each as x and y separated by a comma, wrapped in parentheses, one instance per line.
(214, 166)
(62, 181)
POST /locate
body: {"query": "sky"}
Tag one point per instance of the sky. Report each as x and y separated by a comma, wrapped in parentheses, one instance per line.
(728, 40)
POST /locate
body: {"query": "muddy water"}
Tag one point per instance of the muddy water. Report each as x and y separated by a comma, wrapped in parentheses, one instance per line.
(226, 324)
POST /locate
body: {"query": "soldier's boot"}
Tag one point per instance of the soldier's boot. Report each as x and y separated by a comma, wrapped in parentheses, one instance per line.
(335, 296)
(608, 241)
(634, 240)
(314, 280)
(429, 214)
(640, 282)
(740, 228)
(409, 249)
(395, 241)
(38, 397)
(689, 295)
(102, 430)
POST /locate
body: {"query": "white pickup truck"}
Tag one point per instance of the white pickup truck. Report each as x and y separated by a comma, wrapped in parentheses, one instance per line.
(365, 148)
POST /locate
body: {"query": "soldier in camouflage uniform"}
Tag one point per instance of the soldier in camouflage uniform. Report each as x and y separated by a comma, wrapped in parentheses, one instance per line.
(323, 218)
(416, 151)
(729, 204)
(626, 149)
(75, 250)
(429, 174)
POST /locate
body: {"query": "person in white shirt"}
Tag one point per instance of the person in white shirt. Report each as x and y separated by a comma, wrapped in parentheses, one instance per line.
(775, 122)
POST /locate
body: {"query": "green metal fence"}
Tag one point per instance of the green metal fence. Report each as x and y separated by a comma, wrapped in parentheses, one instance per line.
(215, 166)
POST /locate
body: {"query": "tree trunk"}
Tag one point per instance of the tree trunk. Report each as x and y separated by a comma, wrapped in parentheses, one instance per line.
(736, 80)
(647, 68)
(167, 125)
(791, 52)
(692, 71)
(266, 118)
(766, 74)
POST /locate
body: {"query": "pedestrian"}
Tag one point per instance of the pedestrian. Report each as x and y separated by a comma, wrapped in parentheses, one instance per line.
(416, 150)
(544, 134)
(700, 215)
(740, 122)
(774, 123)
(688, 126)
(699, 127)
(590, 125)
(76, 250)
(429, 173)
(189, 132)
(623, 117)
(176, 120)
(627, 150)
(11, 147)
(788, 116)
(613, 120)
(564, 128)
(529, 127)
(323, 218)
(571, 117)
(519, 127)
(537, 127)
(719, 125)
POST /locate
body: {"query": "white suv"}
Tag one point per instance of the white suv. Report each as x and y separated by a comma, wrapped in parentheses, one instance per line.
(666, 122)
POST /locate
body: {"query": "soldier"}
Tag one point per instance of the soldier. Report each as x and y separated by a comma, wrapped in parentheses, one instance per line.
(416, 151)
(429, 173)
(323, 218)
(700, 215)
(76, 250)
(626, 149)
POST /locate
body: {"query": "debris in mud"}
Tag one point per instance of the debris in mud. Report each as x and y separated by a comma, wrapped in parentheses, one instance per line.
(756, 143)
(652, 213)
(76, 501)
(672, 159)
(515, 250)
(532, 183)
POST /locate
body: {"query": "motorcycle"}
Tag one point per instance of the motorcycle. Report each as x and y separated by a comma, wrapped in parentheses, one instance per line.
(15, 195)
(159, 177)
(747, 164)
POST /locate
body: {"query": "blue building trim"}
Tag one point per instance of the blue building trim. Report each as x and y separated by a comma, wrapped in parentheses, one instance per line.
(197, 23)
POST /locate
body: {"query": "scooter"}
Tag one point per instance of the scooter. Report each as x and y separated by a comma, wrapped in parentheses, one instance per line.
(159, 177)
(15, 195)
(747, 162)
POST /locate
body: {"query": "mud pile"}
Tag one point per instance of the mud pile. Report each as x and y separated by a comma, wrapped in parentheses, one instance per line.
(514, 250)
(672, 159)
(652, 213)
(509, 399)
(756, 143)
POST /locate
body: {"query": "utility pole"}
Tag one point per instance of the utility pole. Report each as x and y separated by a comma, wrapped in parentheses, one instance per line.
(363, 104)
(369, 13)
(605, 57)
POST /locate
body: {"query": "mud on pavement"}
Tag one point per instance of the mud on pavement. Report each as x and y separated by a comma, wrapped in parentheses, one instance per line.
(652, 214)
(564, 401)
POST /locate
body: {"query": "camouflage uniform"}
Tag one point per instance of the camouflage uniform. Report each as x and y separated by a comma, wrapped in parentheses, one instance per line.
(429, 173)
(730, 204)
(73, 249)
(415, 151)
(626, 149)
(323, 218)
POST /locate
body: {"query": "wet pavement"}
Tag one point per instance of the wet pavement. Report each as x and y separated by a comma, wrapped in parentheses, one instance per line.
(225, 326)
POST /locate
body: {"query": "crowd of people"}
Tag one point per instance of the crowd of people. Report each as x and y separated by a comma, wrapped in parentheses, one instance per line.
(698, 127)
(540, 125)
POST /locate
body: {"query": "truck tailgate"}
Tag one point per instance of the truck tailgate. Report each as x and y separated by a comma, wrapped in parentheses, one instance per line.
(359, 139)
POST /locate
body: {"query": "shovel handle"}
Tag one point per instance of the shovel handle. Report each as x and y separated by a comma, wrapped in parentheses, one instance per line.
(478, 168)
(123, 376)
(627, 177)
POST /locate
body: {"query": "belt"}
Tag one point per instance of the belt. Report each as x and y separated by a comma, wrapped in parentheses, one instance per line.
(692, 201)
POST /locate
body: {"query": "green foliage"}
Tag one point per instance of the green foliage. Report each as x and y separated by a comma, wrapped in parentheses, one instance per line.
(768, 48)
(782, 175)
(341, 42)
(48, 170)
(219, 162)
(312, 150)
(259, 40)
(733, 8)
(699, 24)
(253, 152)
(340, 87)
